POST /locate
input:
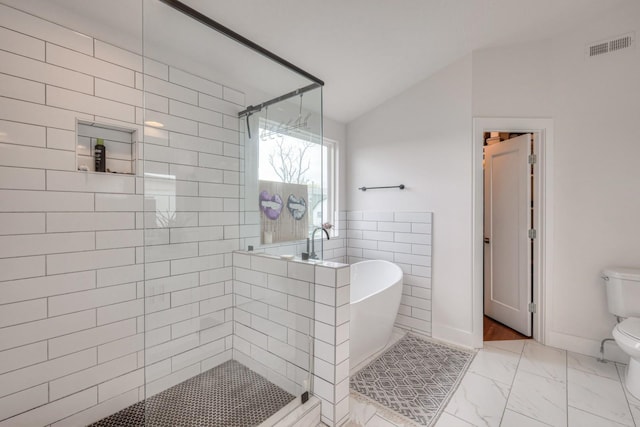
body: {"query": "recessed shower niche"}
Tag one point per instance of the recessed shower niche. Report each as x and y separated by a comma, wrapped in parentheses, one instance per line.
(120, 143)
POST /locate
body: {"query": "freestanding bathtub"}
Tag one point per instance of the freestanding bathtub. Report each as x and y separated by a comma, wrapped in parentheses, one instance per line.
(376, 289)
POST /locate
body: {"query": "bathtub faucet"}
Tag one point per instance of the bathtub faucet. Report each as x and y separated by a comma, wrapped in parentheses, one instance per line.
(313, 254)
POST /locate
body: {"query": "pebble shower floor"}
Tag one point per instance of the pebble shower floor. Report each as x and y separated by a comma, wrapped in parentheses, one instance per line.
(229, 395)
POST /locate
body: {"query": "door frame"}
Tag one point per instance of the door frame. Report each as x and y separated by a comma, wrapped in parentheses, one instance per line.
(543, 220)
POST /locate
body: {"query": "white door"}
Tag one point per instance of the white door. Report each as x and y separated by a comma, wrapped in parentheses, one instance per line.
(507, 246)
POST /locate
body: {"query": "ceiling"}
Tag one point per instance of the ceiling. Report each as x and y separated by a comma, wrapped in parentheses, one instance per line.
(366, 51)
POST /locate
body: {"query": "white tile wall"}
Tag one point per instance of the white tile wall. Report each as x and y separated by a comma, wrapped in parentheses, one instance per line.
(13, 132)
(14, 87)
(24, 400)
(275, 317)
(39, 71)
(44, 30)
(21, 312)
(170, 90)
(27, 377)
(72, 272)
(45, 201)
(33, 157)
(265, 331)
(21, 44)
(182, 78)
(332, 340)
(405, 239)
(51, 412)
(115, 55)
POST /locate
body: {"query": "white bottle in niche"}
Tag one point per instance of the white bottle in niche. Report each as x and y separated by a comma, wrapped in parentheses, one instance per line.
(100, 156)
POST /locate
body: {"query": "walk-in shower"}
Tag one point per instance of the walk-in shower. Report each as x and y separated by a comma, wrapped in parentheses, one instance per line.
(217, 342)
(132, 303)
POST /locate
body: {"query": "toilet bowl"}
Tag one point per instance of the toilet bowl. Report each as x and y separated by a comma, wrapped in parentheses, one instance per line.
(627, 336)
(623, 299)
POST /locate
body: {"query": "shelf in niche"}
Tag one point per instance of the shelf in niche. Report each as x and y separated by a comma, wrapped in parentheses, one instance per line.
(121, 146)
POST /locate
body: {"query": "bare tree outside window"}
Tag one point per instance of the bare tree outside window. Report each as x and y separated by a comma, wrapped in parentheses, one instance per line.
(291, 160)
(285, 158)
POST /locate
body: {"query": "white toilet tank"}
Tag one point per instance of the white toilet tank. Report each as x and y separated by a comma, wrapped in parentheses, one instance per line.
(623, 290)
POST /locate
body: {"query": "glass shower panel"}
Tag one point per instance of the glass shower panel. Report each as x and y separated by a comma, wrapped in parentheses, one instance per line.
(282, 205)
(224, 344)
(285, 177)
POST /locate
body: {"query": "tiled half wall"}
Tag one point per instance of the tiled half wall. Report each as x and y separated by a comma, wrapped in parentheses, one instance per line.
(404, 238)
(285, 309)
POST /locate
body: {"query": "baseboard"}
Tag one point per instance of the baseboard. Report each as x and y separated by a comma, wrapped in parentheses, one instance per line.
(454, 336)
(586, 346)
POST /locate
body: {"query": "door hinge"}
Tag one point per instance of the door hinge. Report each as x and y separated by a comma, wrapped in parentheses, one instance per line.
(532, 159)
(532, 307)
(532, 233)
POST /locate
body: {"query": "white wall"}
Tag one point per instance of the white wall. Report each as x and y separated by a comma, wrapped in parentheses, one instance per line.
(595, 108)
(421, 138)
(513, 81)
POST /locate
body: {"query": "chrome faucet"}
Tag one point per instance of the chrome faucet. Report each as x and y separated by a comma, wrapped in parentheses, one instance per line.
(313, 254)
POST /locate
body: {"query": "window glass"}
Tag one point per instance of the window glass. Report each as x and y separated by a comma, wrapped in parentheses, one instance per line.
(300, 160)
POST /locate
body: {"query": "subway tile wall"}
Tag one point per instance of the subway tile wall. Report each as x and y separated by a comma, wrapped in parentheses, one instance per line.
(331, 343)
(405, 239)
(280, 307)
(274, 318)
(334, 249)
(76, 278)
(72, 245)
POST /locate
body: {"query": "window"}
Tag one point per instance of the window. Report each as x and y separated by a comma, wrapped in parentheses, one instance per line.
(299, 158)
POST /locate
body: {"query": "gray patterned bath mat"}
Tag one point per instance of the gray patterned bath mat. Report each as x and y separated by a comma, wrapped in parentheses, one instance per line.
(414, 378)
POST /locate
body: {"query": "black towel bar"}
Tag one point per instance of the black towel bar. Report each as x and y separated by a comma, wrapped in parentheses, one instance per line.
(401, 187)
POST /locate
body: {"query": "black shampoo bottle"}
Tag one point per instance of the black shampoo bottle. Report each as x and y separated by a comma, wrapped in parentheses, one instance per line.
(100, 156)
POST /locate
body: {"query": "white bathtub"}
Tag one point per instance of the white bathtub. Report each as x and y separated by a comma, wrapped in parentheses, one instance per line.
(376, 289)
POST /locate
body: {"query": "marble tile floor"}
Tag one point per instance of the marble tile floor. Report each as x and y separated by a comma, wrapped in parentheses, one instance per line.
(522, 383)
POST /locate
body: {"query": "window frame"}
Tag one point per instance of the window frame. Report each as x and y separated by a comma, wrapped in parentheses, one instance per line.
(331, 169)
(332, 183)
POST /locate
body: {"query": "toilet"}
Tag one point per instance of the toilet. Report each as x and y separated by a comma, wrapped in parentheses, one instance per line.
(623, 299)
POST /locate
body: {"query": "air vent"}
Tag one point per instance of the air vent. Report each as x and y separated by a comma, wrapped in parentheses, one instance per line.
(598, 49)
(611, 45)
(621, 43)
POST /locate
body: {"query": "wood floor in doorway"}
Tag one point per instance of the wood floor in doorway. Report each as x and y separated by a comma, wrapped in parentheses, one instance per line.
(496, 331)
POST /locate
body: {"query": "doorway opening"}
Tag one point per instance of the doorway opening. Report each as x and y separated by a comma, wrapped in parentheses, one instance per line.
(508, 234)
(515, 234)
